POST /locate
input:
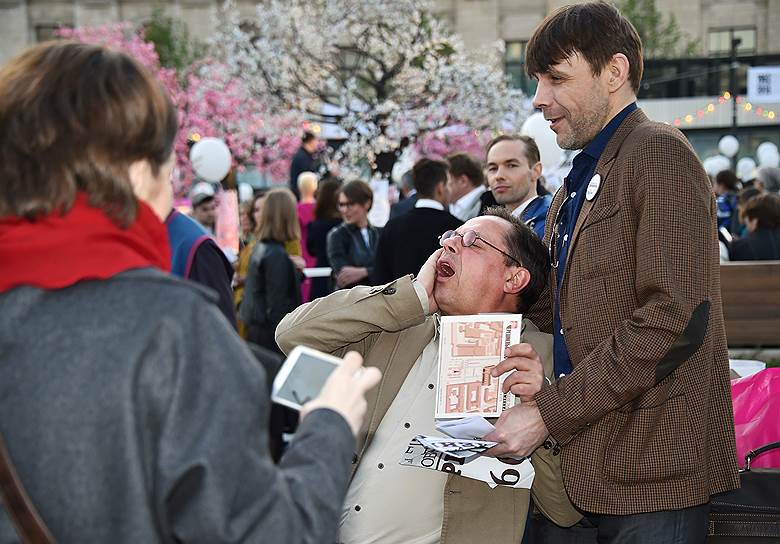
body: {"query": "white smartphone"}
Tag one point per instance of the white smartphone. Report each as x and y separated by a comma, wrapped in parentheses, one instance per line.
(302, 376)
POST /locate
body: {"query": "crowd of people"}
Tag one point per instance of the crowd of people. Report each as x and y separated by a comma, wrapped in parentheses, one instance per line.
(329, 226)
(749, 215)
(136, 356)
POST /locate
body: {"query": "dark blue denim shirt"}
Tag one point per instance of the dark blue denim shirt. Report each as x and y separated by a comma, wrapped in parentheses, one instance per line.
(575, 185)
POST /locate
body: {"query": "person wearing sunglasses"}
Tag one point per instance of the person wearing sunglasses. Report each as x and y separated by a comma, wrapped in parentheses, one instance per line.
(492, 263)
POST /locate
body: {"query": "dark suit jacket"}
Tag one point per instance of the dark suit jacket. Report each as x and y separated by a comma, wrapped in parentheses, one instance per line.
(762, 245)
(302, 161)
(645, 417)
(403, 206)
(487, 200)
(407, 242)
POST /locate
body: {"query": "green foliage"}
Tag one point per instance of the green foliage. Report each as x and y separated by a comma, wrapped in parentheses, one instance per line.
(172, 41)
(661, 36)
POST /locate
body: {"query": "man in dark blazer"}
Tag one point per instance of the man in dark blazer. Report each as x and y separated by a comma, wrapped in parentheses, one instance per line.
(642, 408)
(408, 240)
(304, 160)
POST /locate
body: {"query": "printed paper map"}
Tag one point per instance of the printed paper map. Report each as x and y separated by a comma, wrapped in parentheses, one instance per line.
(469, 348)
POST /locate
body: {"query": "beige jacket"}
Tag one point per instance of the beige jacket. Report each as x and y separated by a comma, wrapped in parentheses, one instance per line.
(388, 327)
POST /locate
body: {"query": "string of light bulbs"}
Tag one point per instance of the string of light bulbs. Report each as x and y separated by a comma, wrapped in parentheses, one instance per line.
(724, 98)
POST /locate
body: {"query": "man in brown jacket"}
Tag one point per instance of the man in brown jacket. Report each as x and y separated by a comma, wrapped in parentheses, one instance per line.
(394, 327)
(643, 410)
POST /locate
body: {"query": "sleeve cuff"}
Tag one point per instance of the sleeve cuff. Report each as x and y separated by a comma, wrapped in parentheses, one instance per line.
(422, 295)
(555, 416)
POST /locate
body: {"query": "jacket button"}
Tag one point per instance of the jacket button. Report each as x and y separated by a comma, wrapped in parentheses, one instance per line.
(547, 444)
(354, 459)
(389, 291)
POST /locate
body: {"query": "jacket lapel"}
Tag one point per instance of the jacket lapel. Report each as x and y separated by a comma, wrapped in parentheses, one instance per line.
(552, 223)
(603, 169)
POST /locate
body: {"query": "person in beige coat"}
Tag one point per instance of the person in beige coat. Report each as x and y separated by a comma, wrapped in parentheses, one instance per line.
(394, 326)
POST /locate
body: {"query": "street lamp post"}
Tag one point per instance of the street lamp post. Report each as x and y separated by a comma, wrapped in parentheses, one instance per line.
(733, 78)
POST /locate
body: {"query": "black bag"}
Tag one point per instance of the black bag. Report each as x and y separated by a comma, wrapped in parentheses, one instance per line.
(751, 514)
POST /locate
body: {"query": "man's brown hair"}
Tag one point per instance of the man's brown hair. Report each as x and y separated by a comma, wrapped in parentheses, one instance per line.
(764, 207)
(427, 174)
(74, 117)
(595, 30)
(531, 150)
(279, 220)
(463, 164)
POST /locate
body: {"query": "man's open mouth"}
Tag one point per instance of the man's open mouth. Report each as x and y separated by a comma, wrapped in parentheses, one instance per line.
(554, 122)
(445, 270)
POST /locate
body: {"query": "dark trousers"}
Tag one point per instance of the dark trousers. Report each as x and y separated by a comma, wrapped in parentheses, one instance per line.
(687, 526)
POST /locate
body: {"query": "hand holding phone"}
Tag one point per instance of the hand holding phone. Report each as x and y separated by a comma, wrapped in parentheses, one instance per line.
(345, 384)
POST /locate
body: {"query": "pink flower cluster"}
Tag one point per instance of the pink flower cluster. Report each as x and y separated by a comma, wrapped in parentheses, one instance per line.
(210, 103)
(454, 139)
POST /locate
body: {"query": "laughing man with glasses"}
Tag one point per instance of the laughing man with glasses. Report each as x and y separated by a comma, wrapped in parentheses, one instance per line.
(492, 263)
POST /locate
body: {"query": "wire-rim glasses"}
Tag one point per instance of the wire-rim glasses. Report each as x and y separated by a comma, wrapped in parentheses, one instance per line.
(469, 237)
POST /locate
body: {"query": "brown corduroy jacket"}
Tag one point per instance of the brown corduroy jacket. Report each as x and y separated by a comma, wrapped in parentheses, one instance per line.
(645, 418)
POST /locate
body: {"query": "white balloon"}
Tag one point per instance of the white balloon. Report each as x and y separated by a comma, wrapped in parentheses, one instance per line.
(746, 169)
(211, 159)
(708, 166)
(538, 128)
(765, 147)
(715, 164)
(770, 159)
(728, 145)
(245, 192)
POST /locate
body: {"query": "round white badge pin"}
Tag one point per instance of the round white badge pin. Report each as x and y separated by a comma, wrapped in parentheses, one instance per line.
(593, 187)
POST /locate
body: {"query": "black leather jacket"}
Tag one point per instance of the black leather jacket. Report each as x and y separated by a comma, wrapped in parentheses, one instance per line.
(272, 286)
(346, 247)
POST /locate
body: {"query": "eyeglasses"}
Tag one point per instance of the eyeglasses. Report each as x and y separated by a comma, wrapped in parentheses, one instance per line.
(469, 237)
(552, 246)
(347, 204)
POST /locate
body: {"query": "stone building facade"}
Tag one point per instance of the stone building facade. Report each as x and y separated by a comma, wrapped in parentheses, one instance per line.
(478, 22)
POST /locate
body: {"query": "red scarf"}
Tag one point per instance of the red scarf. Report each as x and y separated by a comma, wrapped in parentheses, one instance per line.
(57, 250)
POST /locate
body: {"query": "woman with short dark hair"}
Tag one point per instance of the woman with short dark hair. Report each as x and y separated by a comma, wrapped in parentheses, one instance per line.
(352, 245)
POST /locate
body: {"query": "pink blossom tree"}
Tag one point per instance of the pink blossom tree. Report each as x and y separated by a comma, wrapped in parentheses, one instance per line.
(210, 103)
(454, 139)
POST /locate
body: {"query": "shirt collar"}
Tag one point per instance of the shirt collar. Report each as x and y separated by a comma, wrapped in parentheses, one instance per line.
(428, 203)
(596, 147)
(517, 212)
(468, 200)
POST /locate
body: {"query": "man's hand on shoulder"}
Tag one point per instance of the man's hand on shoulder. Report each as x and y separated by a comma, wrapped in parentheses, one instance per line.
(427, 278)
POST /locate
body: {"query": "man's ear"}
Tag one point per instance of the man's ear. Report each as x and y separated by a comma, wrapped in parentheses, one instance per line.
(516, 279)
(617, 69)
(536, 170)
(440, 193)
